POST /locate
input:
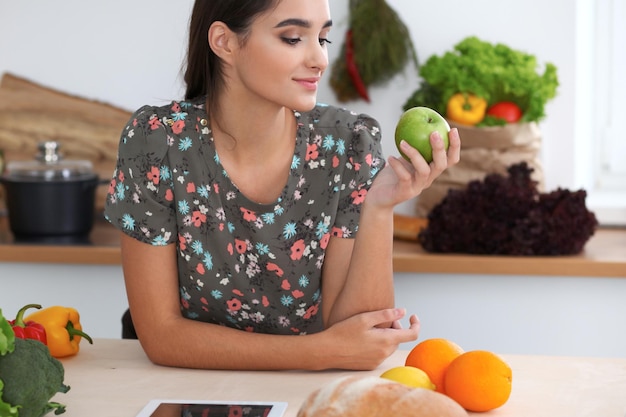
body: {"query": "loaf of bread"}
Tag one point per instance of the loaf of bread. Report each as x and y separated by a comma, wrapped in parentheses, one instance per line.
(357, 396)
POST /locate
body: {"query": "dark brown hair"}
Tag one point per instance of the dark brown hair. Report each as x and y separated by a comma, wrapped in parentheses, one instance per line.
(203, 71)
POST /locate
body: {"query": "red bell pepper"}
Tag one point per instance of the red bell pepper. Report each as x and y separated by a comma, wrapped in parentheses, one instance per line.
(353, 70)
(28, 329)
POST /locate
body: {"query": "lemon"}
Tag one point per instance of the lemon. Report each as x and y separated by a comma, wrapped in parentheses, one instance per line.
(409, 376)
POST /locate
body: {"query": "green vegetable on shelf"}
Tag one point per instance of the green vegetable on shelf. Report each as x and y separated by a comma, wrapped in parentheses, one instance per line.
(29, 376)
(377, 46)
(494, 72)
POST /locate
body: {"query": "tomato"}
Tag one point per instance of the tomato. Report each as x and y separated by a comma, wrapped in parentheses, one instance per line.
(506, 110)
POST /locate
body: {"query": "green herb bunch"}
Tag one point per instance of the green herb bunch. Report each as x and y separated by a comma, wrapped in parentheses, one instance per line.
(381, 48)
(494, 72)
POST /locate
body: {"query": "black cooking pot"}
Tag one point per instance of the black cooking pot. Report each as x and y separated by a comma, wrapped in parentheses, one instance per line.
(50, 196)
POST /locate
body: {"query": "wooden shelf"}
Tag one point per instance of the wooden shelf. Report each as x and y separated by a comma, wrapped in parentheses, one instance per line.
(100, 248)
(600, 259)
(604, 256)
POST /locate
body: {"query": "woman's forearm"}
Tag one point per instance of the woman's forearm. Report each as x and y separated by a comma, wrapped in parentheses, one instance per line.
(192, 344)
(369, 282)
(355, 344)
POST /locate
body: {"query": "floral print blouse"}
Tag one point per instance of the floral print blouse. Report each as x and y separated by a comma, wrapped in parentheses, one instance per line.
(255, 267)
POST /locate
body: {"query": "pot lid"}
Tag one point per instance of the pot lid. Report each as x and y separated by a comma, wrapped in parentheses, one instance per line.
(49, 165)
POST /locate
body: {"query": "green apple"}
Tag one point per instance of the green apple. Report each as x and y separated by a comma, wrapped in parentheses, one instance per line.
(415, 126)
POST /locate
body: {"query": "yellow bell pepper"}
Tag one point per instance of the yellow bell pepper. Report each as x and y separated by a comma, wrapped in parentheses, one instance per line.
(466, 109)
(63, 329)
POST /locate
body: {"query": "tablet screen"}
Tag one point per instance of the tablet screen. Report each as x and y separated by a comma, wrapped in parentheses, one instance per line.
(179, 408)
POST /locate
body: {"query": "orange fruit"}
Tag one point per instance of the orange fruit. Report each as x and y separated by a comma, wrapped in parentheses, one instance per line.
(433, 357)
(479, 380)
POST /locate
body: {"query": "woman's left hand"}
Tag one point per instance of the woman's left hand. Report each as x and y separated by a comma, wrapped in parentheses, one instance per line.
(402, 180)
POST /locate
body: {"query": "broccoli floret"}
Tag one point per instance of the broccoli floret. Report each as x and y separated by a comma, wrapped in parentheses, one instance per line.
(31, 377)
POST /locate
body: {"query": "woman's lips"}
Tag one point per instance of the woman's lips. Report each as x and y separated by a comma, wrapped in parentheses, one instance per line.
(309, 83)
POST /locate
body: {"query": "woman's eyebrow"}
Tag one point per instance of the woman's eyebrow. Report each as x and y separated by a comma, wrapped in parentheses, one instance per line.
(300, 22)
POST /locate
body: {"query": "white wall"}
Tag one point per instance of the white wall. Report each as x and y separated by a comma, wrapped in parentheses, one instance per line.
(567, 316)
(97, 292)
(129, 53)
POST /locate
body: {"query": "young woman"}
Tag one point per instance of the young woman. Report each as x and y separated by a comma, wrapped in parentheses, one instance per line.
(256, 224)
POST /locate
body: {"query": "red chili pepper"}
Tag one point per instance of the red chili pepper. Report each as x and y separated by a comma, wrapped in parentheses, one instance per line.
(353, 70)
(28, 329)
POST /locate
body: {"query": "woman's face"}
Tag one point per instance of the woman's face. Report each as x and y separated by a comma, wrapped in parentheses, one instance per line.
(286, 54)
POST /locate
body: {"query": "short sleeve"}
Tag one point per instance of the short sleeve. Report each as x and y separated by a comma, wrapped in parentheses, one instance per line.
(364, 160)
(140, 196)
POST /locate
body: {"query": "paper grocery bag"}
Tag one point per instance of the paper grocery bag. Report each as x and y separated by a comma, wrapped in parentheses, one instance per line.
(486, 150)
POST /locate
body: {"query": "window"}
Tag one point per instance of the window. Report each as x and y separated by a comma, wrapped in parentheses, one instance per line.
(611, 92)
(602, 85)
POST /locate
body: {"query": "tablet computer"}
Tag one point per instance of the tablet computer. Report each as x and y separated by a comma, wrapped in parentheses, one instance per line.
(195, 408)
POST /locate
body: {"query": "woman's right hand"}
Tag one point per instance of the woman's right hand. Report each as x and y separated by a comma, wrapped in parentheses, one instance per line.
(358, 344)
